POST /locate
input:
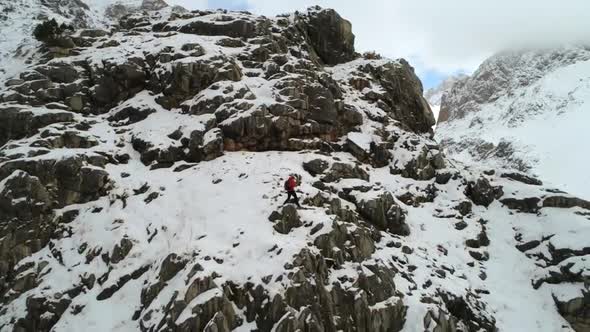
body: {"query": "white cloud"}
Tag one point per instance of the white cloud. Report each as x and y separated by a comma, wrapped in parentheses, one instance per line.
(450, 35)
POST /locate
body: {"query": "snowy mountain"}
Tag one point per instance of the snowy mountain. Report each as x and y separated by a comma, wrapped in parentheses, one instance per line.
(141, 189)
(524, 110)
(434, 95)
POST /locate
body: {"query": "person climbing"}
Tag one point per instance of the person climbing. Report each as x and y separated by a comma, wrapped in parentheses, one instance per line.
(290, 185)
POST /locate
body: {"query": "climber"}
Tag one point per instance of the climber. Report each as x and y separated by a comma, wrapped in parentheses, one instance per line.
(290, 185)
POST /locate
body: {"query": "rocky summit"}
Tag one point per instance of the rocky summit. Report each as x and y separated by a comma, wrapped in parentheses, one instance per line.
(141, 189)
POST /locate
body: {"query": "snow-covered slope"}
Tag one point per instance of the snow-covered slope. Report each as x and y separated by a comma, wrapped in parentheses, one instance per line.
(18, 18)
(527, 110)
(141, 189)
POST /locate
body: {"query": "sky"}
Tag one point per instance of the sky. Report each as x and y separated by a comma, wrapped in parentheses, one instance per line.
(441, 37)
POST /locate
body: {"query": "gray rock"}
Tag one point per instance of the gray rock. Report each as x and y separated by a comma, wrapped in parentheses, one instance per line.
(286, 220)
(315, 166)
(330, 35)
(344, 171)
(384, 213)
(481, 192)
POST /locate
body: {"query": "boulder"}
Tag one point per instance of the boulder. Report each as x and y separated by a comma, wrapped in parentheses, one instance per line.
(528, 204)
(340, 171)
(481, 192)
(382, 212)
(315, 166)
(285, 220)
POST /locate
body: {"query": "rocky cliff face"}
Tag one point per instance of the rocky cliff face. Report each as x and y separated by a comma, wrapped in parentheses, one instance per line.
(141, 174)
(524, 110)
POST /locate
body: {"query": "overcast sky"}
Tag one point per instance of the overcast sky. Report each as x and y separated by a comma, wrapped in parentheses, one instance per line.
(441, 37)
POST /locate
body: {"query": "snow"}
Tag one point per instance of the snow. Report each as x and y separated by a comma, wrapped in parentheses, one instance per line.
(546, 122)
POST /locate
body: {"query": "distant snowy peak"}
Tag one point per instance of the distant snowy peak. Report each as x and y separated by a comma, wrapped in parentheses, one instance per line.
(504, 74)
(434, 95)
(524, 110)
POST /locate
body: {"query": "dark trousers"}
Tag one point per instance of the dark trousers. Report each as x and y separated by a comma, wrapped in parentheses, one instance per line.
(294, 195)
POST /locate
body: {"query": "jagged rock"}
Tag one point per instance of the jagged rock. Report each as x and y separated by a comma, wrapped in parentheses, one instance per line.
(345, 171)
(152, 5)
(159, 155)
(522, 178)
(565, 202)
(403, 98)
(131, 114)
(59, 72)
(346, 244)
(239, 28)
(315, 166)
(42, 313)
(422, 167)
(117, 82)
(171, 265)
(481, 192)
(576, 311)
(70, 179)
(528, 245)
(380, 154)
(207, 146)
(20, 185)
(17, 122)
(286, 220)
(464, 208)
(443, 177)
(482, 240)
(121, 250)
(528, 205)
(384, 213)
(186, 79)
(230, 42)
(330, 35)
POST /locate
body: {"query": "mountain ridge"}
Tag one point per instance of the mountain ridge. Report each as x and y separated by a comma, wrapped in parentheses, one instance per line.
(513, 100)
(141, 188)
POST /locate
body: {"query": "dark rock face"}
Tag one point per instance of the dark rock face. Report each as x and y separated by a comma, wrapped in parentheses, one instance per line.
(520, 177)
(384, 213)
(565, 202)
(71, 179)
(117, 82)
(286, 220)
(330, 36)
(345, 171)
(187, 79)
(481, 192)
(576, 311)
(529, 205)
(16, 122)
(316, 166)
(403, 98)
